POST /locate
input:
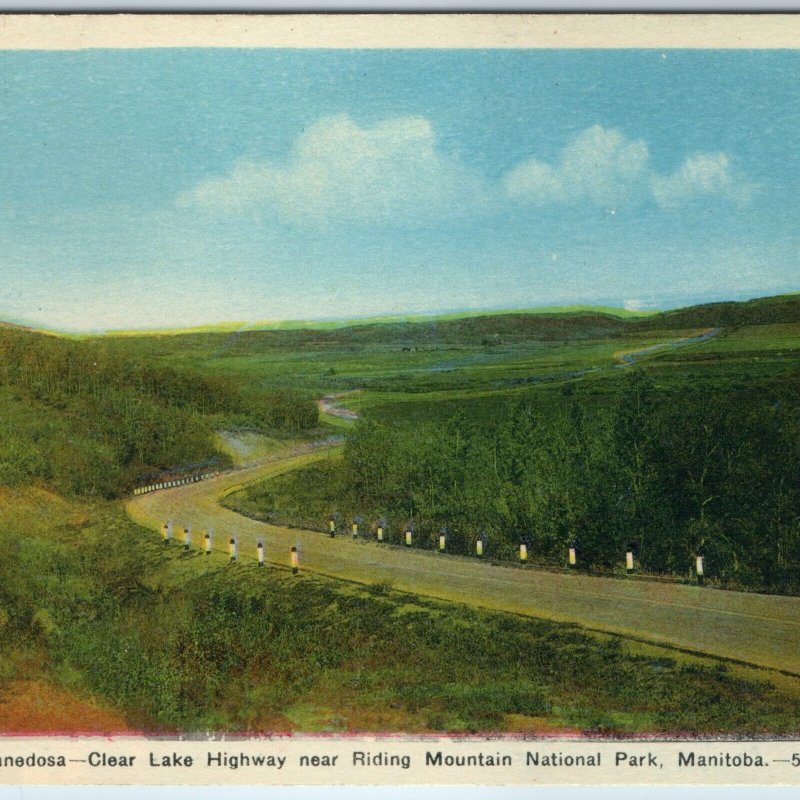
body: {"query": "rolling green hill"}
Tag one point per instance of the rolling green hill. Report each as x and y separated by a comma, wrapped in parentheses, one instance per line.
(761, 311)
(569, 323)
(93, 422)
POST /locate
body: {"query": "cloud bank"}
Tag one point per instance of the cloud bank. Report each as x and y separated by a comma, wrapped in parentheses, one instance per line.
(396, 173)
(604, 167)
(701, 175)
(599, 165)
(339, 171)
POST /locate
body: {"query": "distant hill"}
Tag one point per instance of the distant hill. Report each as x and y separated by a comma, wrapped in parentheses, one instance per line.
(479, 327)
(13, 326)
(542, 325)
(485, 330)
(398, 319)
(762, 311)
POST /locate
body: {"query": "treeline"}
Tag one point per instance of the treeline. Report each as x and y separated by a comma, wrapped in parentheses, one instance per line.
(98, 422)
(670, 473)
(761, 311)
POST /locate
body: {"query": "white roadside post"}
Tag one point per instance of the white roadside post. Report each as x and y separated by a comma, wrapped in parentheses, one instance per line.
(442, 541)
(294, 560)
(479, 547)
(380, 533)
(573, 555)
(408, 538)
(260, 552)
(355, 530)
(629, 560)
(187, 537)
(208, 542)
(523, 552)
(700, 569)
(233, 548)
(332, 527)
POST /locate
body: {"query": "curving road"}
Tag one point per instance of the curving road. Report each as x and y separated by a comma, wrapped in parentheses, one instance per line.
(763, 630)
(632, 356)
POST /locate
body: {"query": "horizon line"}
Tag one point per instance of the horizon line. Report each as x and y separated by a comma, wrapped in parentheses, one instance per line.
(335, 323)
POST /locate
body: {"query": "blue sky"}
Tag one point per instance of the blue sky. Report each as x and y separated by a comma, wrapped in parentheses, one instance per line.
(168, 188)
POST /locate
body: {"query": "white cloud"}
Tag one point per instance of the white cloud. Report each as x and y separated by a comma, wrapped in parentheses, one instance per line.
(339, 171)
(701, 175)
(600, 165)
(606, 168)
(395, 172)
(634, 305)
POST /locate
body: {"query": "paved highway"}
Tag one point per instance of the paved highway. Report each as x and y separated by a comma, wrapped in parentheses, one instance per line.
(759, 629)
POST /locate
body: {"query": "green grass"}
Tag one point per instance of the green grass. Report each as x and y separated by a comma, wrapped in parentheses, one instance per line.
(182, 642)
(778, 339)
(300, 499)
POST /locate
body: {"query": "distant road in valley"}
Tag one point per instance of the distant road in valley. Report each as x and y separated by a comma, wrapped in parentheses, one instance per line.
(632, 356)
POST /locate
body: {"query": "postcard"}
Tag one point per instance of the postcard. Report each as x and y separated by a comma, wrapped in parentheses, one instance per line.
(400, 400)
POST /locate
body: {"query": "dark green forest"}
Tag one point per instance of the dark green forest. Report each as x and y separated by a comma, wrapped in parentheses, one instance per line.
(93, 422)
(671, 472)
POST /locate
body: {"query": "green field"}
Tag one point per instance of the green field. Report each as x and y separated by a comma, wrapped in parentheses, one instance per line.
(394, 370)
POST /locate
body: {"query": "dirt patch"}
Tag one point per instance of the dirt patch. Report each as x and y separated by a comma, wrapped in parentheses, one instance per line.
(37, 707)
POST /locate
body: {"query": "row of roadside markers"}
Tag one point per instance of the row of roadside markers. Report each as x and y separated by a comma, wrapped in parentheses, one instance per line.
(233, 546)
(294, 556)
(480, 543)
(171, 484)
